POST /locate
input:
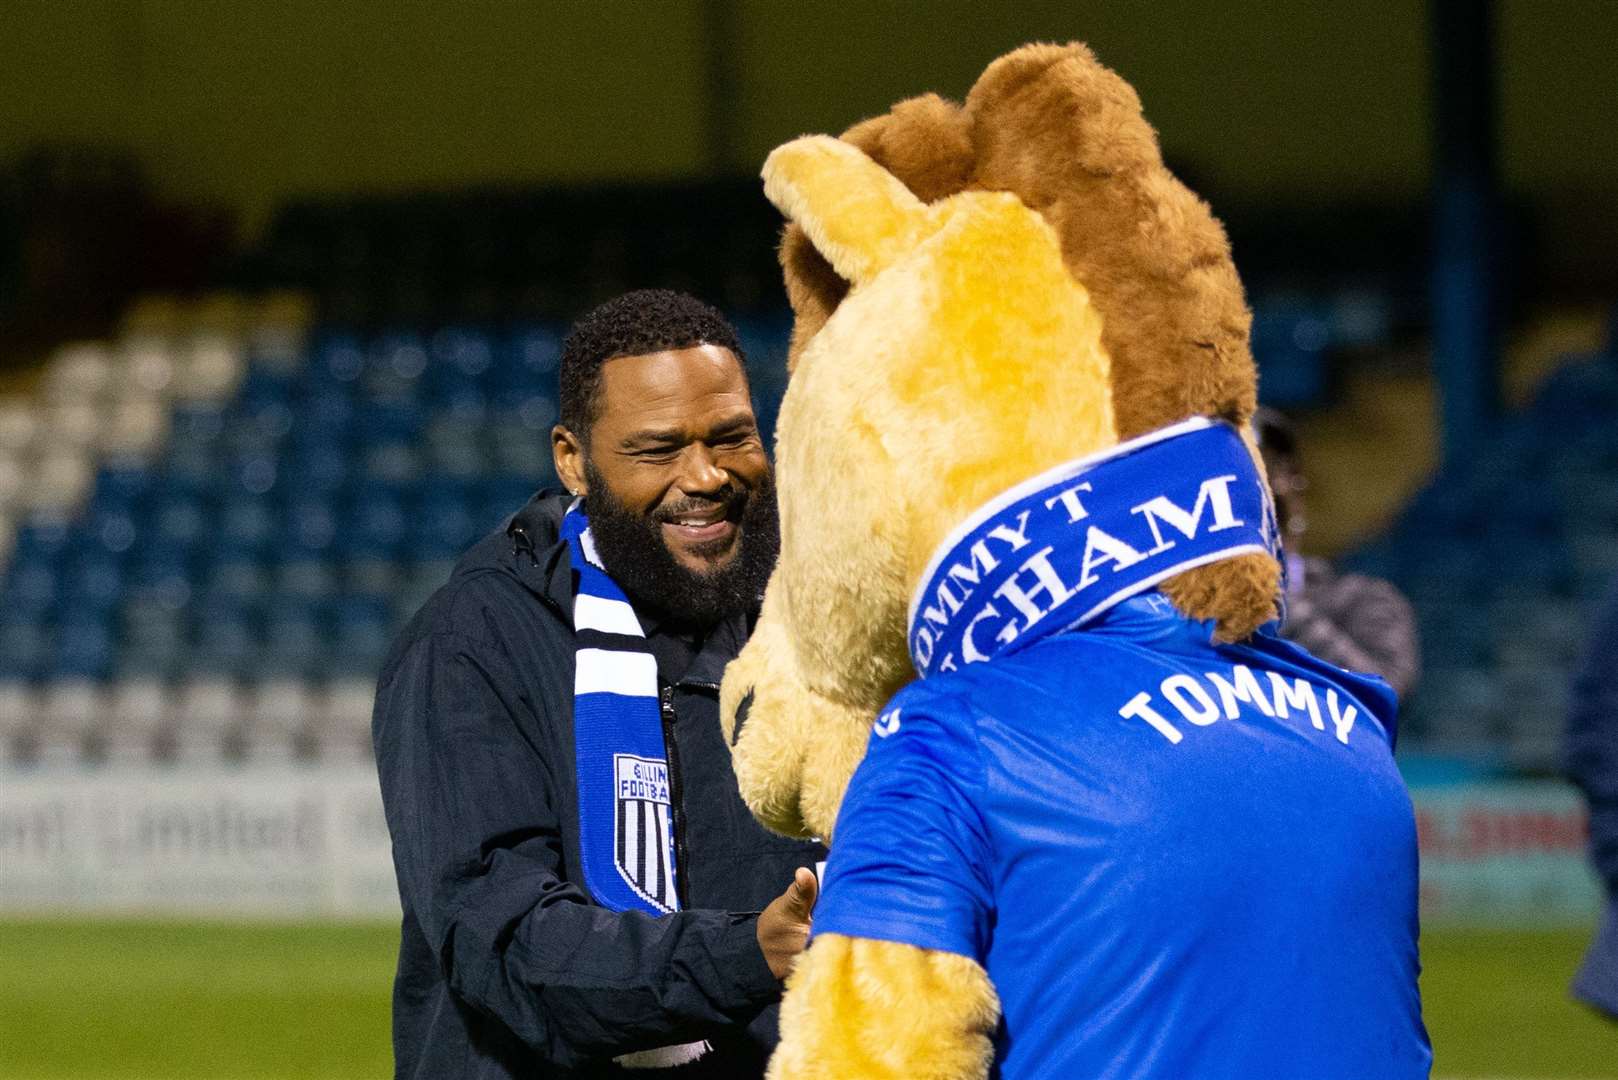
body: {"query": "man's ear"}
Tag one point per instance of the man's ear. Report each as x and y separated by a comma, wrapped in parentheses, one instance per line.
(567, 452)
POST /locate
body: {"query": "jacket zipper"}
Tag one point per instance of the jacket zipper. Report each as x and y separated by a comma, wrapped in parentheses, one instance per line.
(666, 707)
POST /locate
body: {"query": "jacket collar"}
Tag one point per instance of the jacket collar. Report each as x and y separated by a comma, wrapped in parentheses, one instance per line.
(535, 553)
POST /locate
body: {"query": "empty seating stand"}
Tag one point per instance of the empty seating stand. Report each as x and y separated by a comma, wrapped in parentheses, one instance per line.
(212, 526)
(1502, 557)
(214, 532)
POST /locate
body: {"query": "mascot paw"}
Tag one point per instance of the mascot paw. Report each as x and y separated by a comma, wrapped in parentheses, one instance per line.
(855, 1007)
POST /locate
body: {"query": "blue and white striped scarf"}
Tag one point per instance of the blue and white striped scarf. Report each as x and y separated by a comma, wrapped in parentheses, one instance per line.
(626, 813)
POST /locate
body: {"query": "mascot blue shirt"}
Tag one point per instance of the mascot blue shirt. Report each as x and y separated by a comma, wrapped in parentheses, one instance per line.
(1161, 806)
(1174, 858)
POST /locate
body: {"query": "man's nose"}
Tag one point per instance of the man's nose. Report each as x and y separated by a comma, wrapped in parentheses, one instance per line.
(701, 473)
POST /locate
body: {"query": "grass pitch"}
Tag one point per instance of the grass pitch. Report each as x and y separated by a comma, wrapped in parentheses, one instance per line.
(143, 1000)
(186, 1001)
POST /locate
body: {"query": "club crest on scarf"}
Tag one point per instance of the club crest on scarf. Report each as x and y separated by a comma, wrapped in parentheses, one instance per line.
(1060, 549)
(644, 828)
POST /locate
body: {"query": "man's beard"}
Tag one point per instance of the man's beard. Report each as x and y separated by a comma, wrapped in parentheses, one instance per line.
(632, 548)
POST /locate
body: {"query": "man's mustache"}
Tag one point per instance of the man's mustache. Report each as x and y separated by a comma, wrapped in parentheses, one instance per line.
(732, 502)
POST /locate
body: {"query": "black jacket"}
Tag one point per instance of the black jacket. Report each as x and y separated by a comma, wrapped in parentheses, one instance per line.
(506, 967)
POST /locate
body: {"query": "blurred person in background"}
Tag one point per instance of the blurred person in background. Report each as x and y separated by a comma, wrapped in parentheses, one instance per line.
(581, 882)
(1356, 622)
(1592, 764)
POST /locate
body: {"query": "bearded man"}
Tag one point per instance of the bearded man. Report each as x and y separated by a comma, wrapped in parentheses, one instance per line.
(581, 882)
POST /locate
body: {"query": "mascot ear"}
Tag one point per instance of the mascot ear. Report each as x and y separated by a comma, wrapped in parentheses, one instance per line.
(856, 213)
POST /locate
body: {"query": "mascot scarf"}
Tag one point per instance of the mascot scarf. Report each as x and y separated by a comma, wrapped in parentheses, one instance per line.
(626, 823)
(1060, 549)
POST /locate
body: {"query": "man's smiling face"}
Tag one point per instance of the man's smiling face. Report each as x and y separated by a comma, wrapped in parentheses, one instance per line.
(673, 453)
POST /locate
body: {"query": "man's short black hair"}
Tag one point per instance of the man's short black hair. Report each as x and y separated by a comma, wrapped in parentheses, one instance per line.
(634, 324)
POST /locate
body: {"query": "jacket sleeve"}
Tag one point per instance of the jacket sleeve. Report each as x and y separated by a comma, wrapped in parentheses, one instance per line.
(477, 845)
(1592, 739)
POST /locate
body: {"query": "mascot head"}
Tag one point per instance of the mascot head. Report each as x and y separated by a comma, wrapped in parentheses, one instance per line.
(981, 292)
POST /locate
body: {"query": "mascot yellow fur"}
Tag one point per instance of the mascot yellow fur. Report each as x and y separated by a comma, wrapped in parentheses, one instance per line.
(982, 292)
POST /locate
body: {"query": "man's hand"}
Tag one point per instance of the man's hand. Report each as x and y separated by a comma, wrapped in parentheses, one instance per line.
(783, 927)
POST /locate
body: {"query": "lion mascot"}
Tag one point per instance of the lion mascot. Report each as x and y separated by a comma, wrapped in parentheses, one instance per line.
(1088, 816)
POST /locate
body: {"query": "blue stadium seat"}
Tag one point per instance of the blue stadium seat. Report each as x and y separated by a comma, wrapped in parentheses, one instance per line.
(446, 526)
(359, 648)
(1595, 444)
(1528, 559)
(360, 609)
(190, 471)
(1463, 703)
(120, 489)
(150, 650)
(1456, 634)
(1580, 391)
(278, 606)
(225, 641)
(381, 422)
(1588, 496)
(326, 414)
(306, 578)
(33, 585)
(764, 337)
(253, 472)
(112, 530)
(196, 425)
(84, 648)
(467, 351)
(180, 519)
(336, 357)
(246, 525)
(375, 523)
(363, 632)
(161, 574)
(1536, 631)
(316, 468)
(258, 425)
(448, 426)
(537, 413)
(1379, 559)
(459, 457)
(236, 576)
(1290, 338)
(149, 658)
(395, 462)
(41, 539)
(263, 386)
(25, 649)
(519, 451)
(529, 354)
(450, 390)
(366, 574)
(397, 361)
(309, 527)
(94, 581)
(294, 643)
